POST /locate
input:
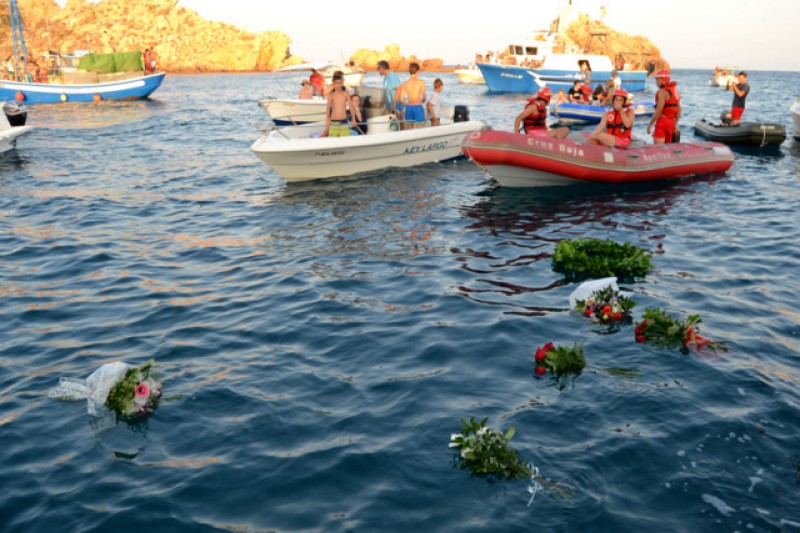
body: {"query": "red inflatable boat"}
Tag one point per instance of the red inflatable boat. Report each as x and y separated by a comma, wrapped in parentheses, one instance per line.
(517, 160)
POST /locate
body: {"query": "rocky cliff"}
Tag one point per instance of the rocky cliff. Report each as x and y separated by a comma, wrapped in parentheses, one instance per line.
(182, 40)
(595, 37)
(368, 59)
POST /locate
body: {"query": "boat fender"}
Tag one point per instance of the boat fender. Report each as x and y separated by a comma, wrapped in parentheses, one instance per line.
(98, 98)
(461, 113)
(20, 96)
(63, 97)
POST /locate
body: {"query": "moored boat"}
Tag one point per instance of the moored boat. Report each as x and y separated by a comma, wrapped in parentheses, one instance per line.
(12, 125)
(98, 77)
(594, 113)
(517, 160)
(470, 76)
(746, 132)
(795, 112)
(299, 153)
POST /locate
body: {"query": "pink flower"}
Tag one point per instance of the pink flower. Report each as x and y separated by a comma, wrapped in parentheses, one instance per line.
(142, 391)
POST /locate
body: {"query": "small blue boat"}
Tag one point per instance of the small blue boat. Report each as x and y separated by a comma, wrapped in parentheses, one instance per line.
(133, 88)
(594, 113)
(97, 77)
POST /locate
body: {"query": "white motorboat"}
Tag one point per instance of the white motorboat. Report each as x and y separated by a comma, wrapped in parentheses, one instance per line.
(299, 153)
(287, 111)
(12, 125)
(352, 77)
(470, 76)
(795, 111)
(723, 77)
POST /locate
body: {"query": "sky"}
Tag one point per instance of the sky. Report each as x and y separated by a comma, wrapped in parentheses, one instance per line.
(750, 34)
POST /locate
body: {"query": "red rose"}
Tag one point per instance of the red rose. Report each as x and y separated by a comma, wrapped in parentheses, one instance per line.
(547, 347)
(540, 370)
(588, 312)
(638, 331)
(540, 354)
(617, 316)
(607, 310)
(640, 338)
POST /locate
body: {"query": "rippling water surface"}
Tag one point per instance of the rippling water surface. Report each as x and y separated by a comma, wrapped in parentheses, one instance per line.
(326, 338)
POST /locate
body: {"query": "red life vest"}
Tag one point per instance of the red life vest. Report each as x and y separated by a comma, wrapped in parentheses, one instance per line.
(671, 104)
(615, 126)
(538, 120)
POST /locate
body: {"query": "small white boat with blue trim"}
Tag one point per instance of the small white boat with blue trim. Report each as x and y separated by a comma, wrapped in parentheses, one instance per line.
(795, 112)
(300, 153)
(593, 113)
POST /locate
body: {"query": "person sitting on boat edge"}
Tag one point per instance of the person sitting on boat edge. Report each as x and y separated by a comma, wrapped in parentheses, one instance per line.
(586, 91)
(357, 116)
(412, 95)
(533, 118)
(616, 125)
(740, 92)
(306, 92)
(668, 109)
(575, 94)
(336, 123)
(602, 93)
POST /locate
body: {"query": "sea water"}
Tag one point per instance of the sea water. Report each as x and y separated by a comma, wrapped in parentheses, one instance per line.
(326, 338)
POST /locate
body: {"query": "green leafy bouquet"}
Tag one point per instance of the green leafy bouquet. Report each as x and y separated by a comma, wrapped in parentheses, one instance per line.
(138, 393)
(663, 330)
(594, 258)
(560, 360)
(486, 452)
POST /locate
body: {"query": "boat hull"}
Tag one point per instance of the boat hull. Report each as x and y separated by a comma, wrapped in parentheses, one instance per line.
(746, 133)
(516, 79)
(45, 93)
(470, 76)
(594, 113)
(8, 137)
(285, 112)
(310, 158)
(517, 160)
(795, 112)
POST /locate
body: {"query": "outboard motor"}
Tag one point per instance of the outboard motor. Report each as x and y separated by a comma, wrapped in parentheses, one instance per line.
(16, 114)
(725, 117)
(461, 113)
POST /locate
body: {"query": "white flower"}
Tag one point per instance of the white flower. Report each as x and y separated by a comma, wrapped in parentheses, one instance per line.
(454, 436)
(465, 451)
(481, 432)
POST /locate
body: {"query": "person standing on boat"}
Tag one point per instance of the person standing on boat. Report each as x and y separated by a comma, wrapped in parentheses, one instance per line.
(146, 61)
(412, 95)
(336, 123)
(434, 104)
(317, 82)
(391, 82)
(616, 79)
(668, 109)
(740, 92)
(533, 118)
(616, 125)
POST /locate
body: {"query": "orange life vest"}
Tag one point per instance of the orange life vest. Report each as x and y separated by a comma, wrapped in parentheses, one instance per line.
(538, 120)
(671, 104)
(616, 127)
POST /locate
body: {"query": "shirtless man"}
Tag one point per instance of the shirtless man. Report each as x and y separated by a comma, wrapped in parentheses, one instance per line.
(412, 95)
(336, 123)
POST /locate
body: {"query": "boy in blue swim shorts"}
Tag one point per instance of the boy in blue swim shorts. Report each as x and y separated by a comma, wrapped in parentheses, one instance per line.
(412, 93)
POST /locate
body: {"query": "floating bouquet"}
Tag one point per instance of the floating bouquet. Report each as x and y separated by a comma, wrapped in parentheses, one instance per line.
(485, 451)
(560, 360)
(126, 390)
(606, 306)
(593, 258)
(663, 330)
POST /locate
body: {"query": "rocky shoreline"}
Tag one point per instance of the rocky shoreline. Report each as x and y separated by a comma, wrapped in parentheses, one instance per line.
(184, 42)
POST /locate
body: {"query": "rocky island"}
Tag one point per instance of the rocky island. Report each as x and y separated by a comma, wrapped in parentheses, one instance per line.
(185, 42)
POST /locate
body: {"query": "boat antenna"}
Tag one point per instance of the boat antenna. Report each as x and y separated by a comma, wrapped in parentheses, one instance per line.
(18, 36)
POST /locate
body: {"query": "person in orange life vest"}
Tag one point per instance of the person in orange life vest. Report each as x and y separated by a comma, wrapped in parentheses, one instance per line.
(586, 90)
(317, 82)
(615, 127)
(534, 117)
(668, 109)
